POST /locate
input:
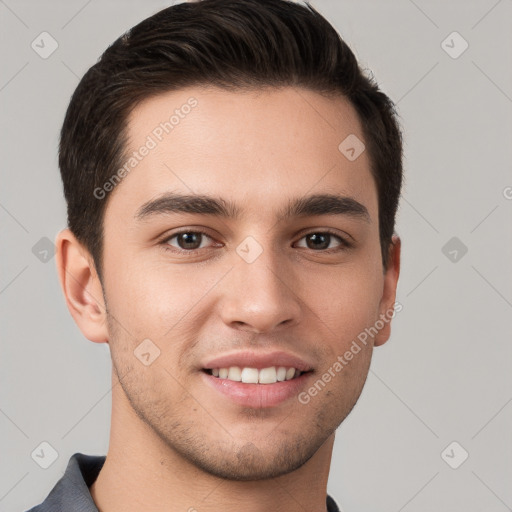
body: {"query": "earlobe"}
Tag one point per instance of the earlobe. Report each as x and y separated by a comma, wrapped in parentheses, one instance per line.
(81, 286)
(389, 291)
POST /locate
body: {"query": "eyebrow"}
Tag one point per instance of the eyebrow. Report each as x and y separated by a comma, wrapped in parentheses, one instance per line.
(313, 205)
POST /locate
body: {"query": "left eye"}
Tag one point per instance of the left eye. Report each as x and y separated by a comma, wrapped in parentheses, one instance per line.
(188, 240)
(322, 240)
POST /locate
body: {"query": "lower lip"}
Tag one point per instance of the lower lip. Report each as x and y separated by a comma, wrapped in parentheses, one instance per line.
(258, 395)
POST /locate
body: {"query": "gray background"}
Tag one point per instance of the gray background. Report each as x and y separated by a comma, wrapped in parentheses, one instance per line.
(444, 376)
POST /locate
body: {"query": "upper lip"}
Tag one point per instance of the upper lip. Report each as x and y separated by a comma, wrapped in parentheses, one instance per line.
(258, 360)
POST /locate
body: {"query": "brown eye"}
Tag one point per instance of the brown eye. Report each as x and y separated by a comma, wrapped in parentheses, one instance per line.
(321, 241)
(187, 241)
(318, 241)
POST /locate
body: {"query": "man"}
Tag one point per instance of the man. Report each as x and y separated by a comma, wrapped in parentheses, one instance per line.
(232, 180)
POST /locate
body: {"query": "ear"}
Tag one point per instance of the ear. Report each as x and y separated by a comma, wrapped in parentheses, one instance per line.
(387, 303)
(81, 286)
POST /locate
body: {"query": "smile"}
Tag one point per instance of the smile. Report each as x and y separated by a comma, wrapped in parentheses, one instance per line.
(248, 375)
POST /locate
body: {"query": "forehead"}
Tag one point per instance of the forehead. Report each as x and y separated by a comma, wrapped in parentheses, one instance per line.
(254, 147)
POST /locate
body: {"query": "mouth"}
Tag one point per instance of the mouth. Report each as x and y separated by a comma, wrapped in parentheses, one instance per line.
(257, 380)
(260, 388)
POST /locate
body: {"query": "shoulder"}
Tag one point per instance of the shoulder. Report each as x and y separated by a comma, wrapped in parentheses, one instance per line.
(71, 492)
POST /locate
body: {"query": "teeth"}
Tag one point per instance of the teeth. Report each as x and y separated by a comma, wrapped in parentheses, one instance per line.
(234, 373)
(250, 375)
(281, 373)
(290, 373)
(268, 375)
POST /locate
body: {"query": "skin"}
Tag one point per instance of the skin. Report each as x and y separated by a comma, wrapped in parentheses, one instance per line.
(177, 443)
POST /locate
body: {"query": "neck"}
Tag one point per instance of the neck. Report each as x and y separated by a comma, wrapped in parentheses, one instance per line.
(141, 472)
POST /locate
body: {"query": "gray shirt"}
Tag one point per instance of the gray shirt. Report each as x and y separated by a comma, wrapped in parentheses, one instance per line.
(71, 492)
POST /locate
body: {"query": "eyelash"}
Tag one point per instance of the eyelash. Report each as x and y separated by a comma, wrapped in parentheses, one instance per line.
(344, 244)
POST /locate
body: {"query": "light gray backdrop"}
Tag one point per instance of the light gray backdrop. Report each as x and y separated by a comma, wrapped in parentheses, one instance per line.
(438, 391)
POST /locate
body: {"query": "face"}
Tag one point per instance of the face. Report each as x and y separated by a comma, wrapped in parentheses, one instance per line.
(284, 270)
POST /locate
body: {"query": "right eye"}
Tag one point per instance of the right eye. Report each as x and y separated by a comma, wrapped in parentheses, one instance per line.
(188, 241)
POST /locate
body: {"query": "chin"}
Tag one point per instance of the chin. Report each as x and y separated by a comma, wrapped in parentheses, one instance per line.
(245, 461)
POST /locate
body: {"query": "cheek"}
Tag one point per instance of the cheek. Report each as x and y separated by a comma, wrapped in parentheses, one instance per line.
(346, 300)
(156, 299)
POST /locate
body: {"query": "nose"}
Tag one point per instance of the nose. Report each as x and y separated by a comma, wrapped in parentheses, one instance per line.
(261, 296)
